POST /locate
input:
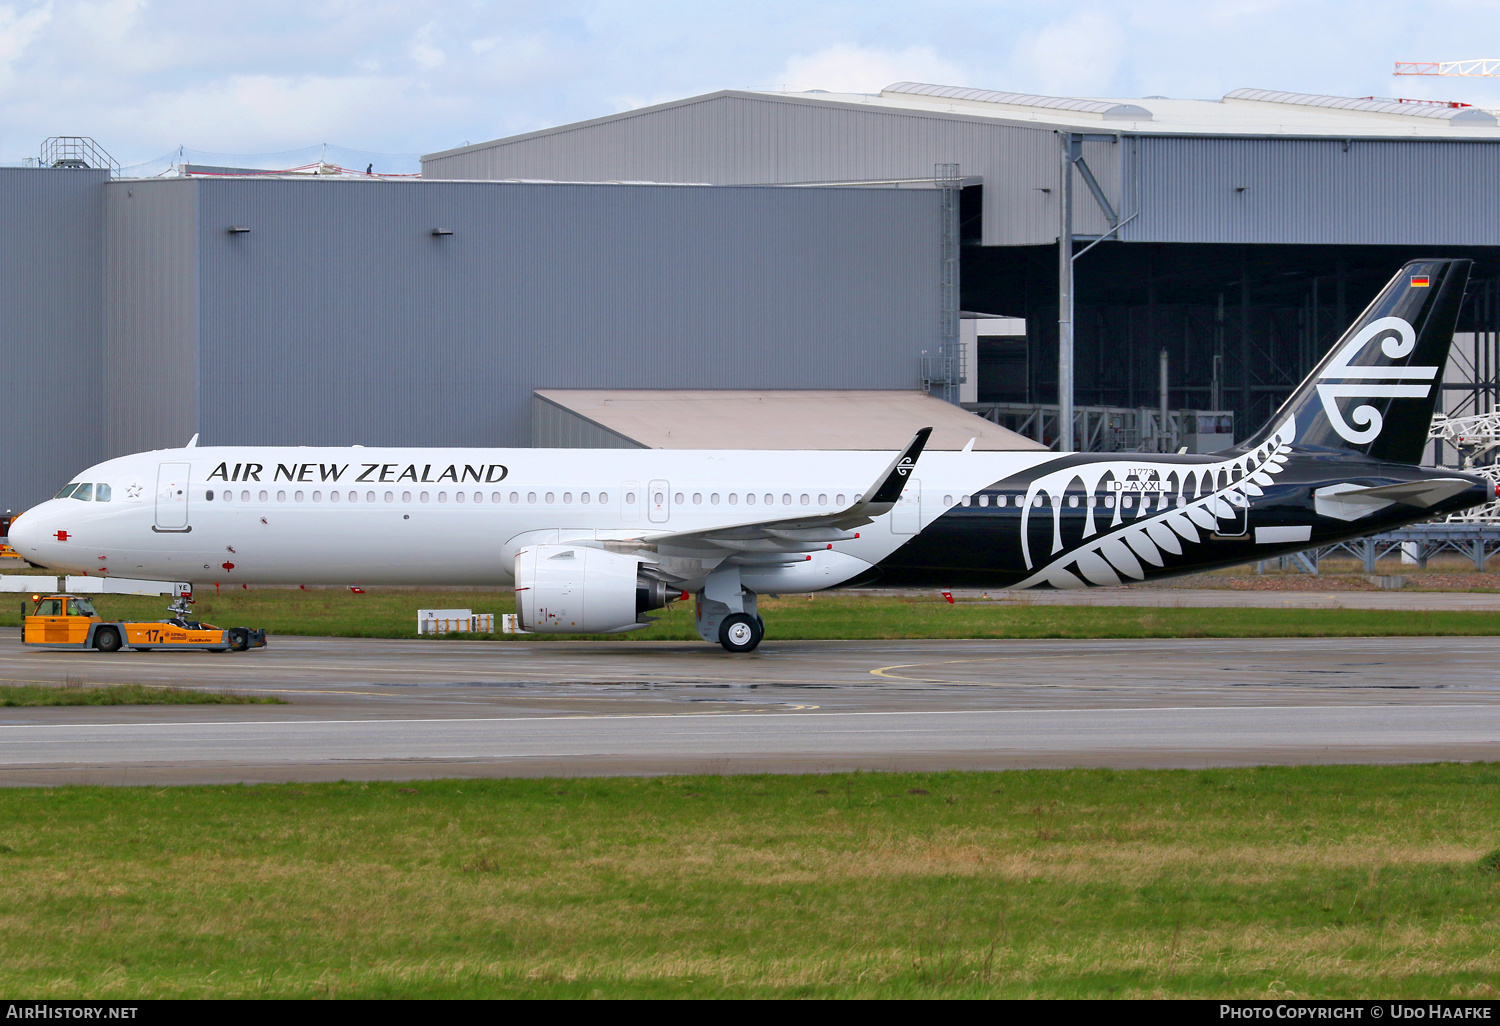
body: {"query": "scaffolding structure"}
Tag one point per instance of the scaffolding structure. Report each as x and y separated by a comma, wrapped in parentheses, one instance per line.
(1114, 428)
(943, 371)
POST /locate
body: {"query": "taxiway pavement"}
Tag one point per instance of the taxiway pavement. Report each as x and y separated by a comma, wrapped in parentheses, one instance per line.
(395, 709)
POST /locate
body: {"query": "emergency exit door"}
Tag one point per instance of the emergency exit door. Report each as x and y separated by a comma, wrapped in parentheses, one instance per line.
(659, 502)
(172, 497)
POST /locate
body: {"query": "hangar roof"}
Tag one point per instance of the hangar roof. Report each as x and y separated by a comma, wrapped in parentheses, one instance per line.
(767, 419)
(1254, 112)
(1239, 112)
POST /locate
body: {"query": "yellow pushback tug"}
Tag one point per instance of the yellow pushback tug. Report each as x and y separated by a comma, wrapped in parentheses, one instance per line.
(70, 621)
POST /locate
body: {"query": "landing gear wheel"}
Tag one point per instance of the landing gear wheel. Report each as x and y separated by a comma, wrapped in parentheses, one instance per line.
(107, 640)
(740, 632)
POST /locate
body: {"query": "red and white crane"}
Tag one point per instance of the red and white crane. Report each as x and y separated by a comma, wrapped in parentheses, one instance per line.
(1480, 67)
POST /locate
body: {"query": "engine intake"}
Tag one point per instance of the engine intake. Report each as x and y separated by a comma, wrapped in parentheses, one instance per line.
(576, 589)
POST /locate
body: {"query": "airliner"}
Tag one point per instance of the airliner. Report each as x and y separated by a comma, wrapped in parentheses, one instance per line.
(594, 540)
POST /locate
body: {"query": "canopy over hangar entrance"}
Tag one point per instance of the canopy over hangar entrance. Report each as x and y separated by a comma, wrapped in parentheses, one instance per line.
(756, 419)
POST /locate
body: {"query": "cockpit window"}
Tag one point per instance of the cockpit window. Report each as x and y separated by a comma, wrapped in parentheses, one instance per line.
(101, 493)
(83, 493)
(67, 490)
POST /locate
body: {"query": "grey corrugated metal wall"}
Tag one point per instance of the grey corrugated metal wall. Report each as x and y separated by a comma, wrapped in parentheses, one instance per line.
(1186, 187)
(339, 318)
(1327, 191)
(743, 138)
(553, 427)
(51, 227)
(151, 315)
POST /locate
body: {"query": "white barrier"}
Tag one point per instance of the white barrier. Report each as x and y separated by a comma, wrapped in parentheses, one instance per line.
(450, 621)
(119, 586)
(26, 583)
(510, 623)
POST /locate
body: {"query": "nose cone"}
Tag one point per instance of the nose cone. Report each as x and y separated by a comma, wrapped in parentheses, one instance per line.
(38, 534)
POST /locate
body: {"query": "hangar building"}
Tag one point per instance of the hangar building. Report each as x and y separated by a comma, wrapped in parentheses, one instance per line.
(1243, 233)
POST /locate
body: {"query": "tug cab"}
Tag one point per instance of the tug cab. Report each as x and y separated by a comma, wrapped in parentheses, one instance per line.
(60, 620)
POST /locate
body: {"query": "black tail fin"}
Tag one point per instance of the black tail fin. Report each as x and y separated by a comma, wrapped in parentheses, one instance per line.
(1374, 393)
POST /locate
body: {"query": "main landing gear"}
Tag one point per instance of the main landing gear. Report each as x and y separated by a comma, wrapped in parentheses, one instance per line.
(741, 632)
(726, 612)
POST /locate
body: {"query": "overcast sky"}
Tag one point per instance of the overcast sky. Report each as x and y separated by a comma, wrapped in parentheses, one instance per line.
(388, 76)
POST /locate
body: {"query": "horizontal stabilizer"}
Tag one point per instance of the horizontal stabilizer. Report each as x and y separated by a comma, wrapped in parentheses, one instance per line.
(1350, 501)
(1416, 493)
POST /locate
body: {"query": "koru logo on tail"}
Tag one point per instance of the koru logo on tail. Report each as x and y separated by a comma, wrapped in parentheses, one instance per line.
(905, 466)
(1372, 382)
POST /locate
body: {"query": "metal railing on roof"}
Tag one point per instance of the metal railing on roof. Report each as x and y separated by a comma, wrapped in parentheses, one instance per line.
(76, 151)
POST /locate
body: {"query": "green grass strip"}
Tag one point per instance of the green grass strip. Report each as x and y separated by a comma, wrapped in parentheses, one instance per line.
(1323, 882)
(19, 695)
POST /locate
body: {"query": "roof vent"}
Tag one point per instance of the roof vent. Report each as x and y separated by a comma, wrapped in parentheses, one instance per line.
(1474, 116)
(1100, 108)
(1451, 113)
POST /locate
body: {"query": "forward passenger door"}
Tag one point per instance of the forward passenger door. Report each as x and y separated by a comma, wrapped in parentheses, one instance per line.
(172, 497)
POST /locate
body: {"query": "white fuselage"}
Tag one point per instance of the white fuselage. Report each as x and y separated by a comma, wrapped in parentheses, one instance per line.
(357, 516)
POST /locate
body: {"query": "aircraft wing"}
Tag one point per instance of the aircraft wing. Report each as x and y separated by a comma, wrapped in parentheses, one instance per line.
(687, 554)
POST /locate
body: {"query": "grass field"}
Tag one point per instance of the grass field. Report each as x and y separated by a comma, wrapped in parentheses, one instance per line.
(392, 614)
(1312, 882)
(17, 695)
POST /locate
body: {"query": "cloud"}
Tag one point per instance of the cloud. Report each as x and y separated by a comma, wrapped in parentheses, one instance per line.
(845, 68)
(401, 76)
(1075, 56)
(424, 51)
(18, 30)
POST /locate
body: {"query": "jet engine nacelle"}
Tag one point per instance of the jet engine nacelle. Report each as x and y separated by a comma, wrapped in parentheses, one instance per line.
(576, 589)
